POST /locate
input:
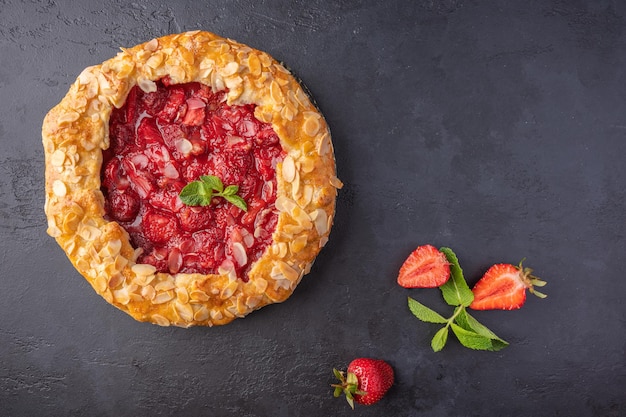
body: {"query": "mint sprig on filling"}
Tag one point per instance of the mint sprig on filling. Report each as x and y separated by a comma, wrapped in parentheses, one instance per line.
(466, 328)
(202, 192)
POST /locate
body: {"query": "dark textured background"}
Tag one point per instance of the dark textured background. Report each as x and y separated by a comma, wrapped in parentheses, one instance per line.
(497, 128)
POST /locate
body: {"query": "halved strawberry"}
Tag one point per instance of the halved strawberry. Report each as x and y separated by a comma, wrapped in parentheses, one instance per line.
(123, 206)
(173, 104)
(159, 226)
(193, 219)
(148, 133)
(426, 267)
(195, 112)
(503, 287)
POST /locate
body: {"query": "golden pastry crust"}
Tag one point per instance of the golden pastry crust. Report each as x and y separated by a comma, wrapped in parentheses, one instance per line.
(75, 132)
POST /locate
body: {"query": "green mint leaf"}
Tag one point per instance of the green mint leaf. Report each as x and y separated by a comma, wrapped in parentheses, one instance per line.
(467, 322)
(213, 182)
(424, 313)
(439, 339)
(196, 194)
(471, 339)
(230, 190)
(236, 201)
(201, 193)
(455, 292)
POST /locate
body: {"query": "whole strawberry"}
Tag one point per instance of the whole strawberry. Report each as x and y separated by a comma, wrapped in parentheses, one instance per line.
(503, 287)
(366, 381)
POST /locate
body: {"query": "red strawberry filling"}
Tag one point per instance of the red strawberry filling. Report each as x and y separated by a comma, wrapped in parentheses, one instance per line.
(161, 141)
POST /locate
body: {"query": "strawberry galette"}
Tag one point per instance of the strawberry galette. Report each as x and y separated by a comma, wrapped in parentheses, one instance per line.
(189, 179)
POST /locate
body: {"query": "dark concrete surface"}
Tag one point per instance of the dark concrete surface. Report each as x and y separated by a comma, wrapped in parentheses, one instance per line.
(497, 128)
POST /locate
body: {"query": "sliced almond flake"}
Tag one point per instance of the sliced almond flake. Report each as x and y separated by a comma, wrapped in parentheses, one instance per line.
(295, 185)
(53, 230)
(323, 241)
(307, 195)
(320, 219)
(239, 253)
(143, 269)
(336, 182)
(263, 115)
(182, 295)
(282, 81)
(108, 297)
(160, 320)
(124, 69)
(70, 246)
(323, 144)
(307, 164)
(143, 280)
(288, 272)
(228, 290)
(300, 216)
(93, 254)
(112, 247)
(260, 284)
(311, 126)
(276, 273)
(254, 65)
(224, 48)
(121, 296)
(302, 98)
(242, 308)
(163, 297)
(135, 297)
(147, 86)
(89, 233)
(155, 60)
(216, 314)
(152, 45)
(185, 312)
(86, 76)
(217, 82)
(284, 204)
(282, 69)
(59, 188)
(233, 83)
(292, 229)
(71, 222)
(283, 284)
(57, 158)
(282, 249)
(288, 112)
(197, 295)
(100, 284)
(202, 314)
(253, 301)
(288, 169)
(298, 244)
(229, 69)
(226, 268)
(116, 280)
(165, 285)
(148, 292)
(276, 93)
(120, 262)
(207, 63)
(177, 74)
(68, 117)
(248, 240)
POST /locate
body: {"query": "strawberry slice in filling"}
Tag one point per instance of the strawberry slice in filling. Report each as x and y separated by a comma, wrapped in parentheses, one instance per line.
(161, 141)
